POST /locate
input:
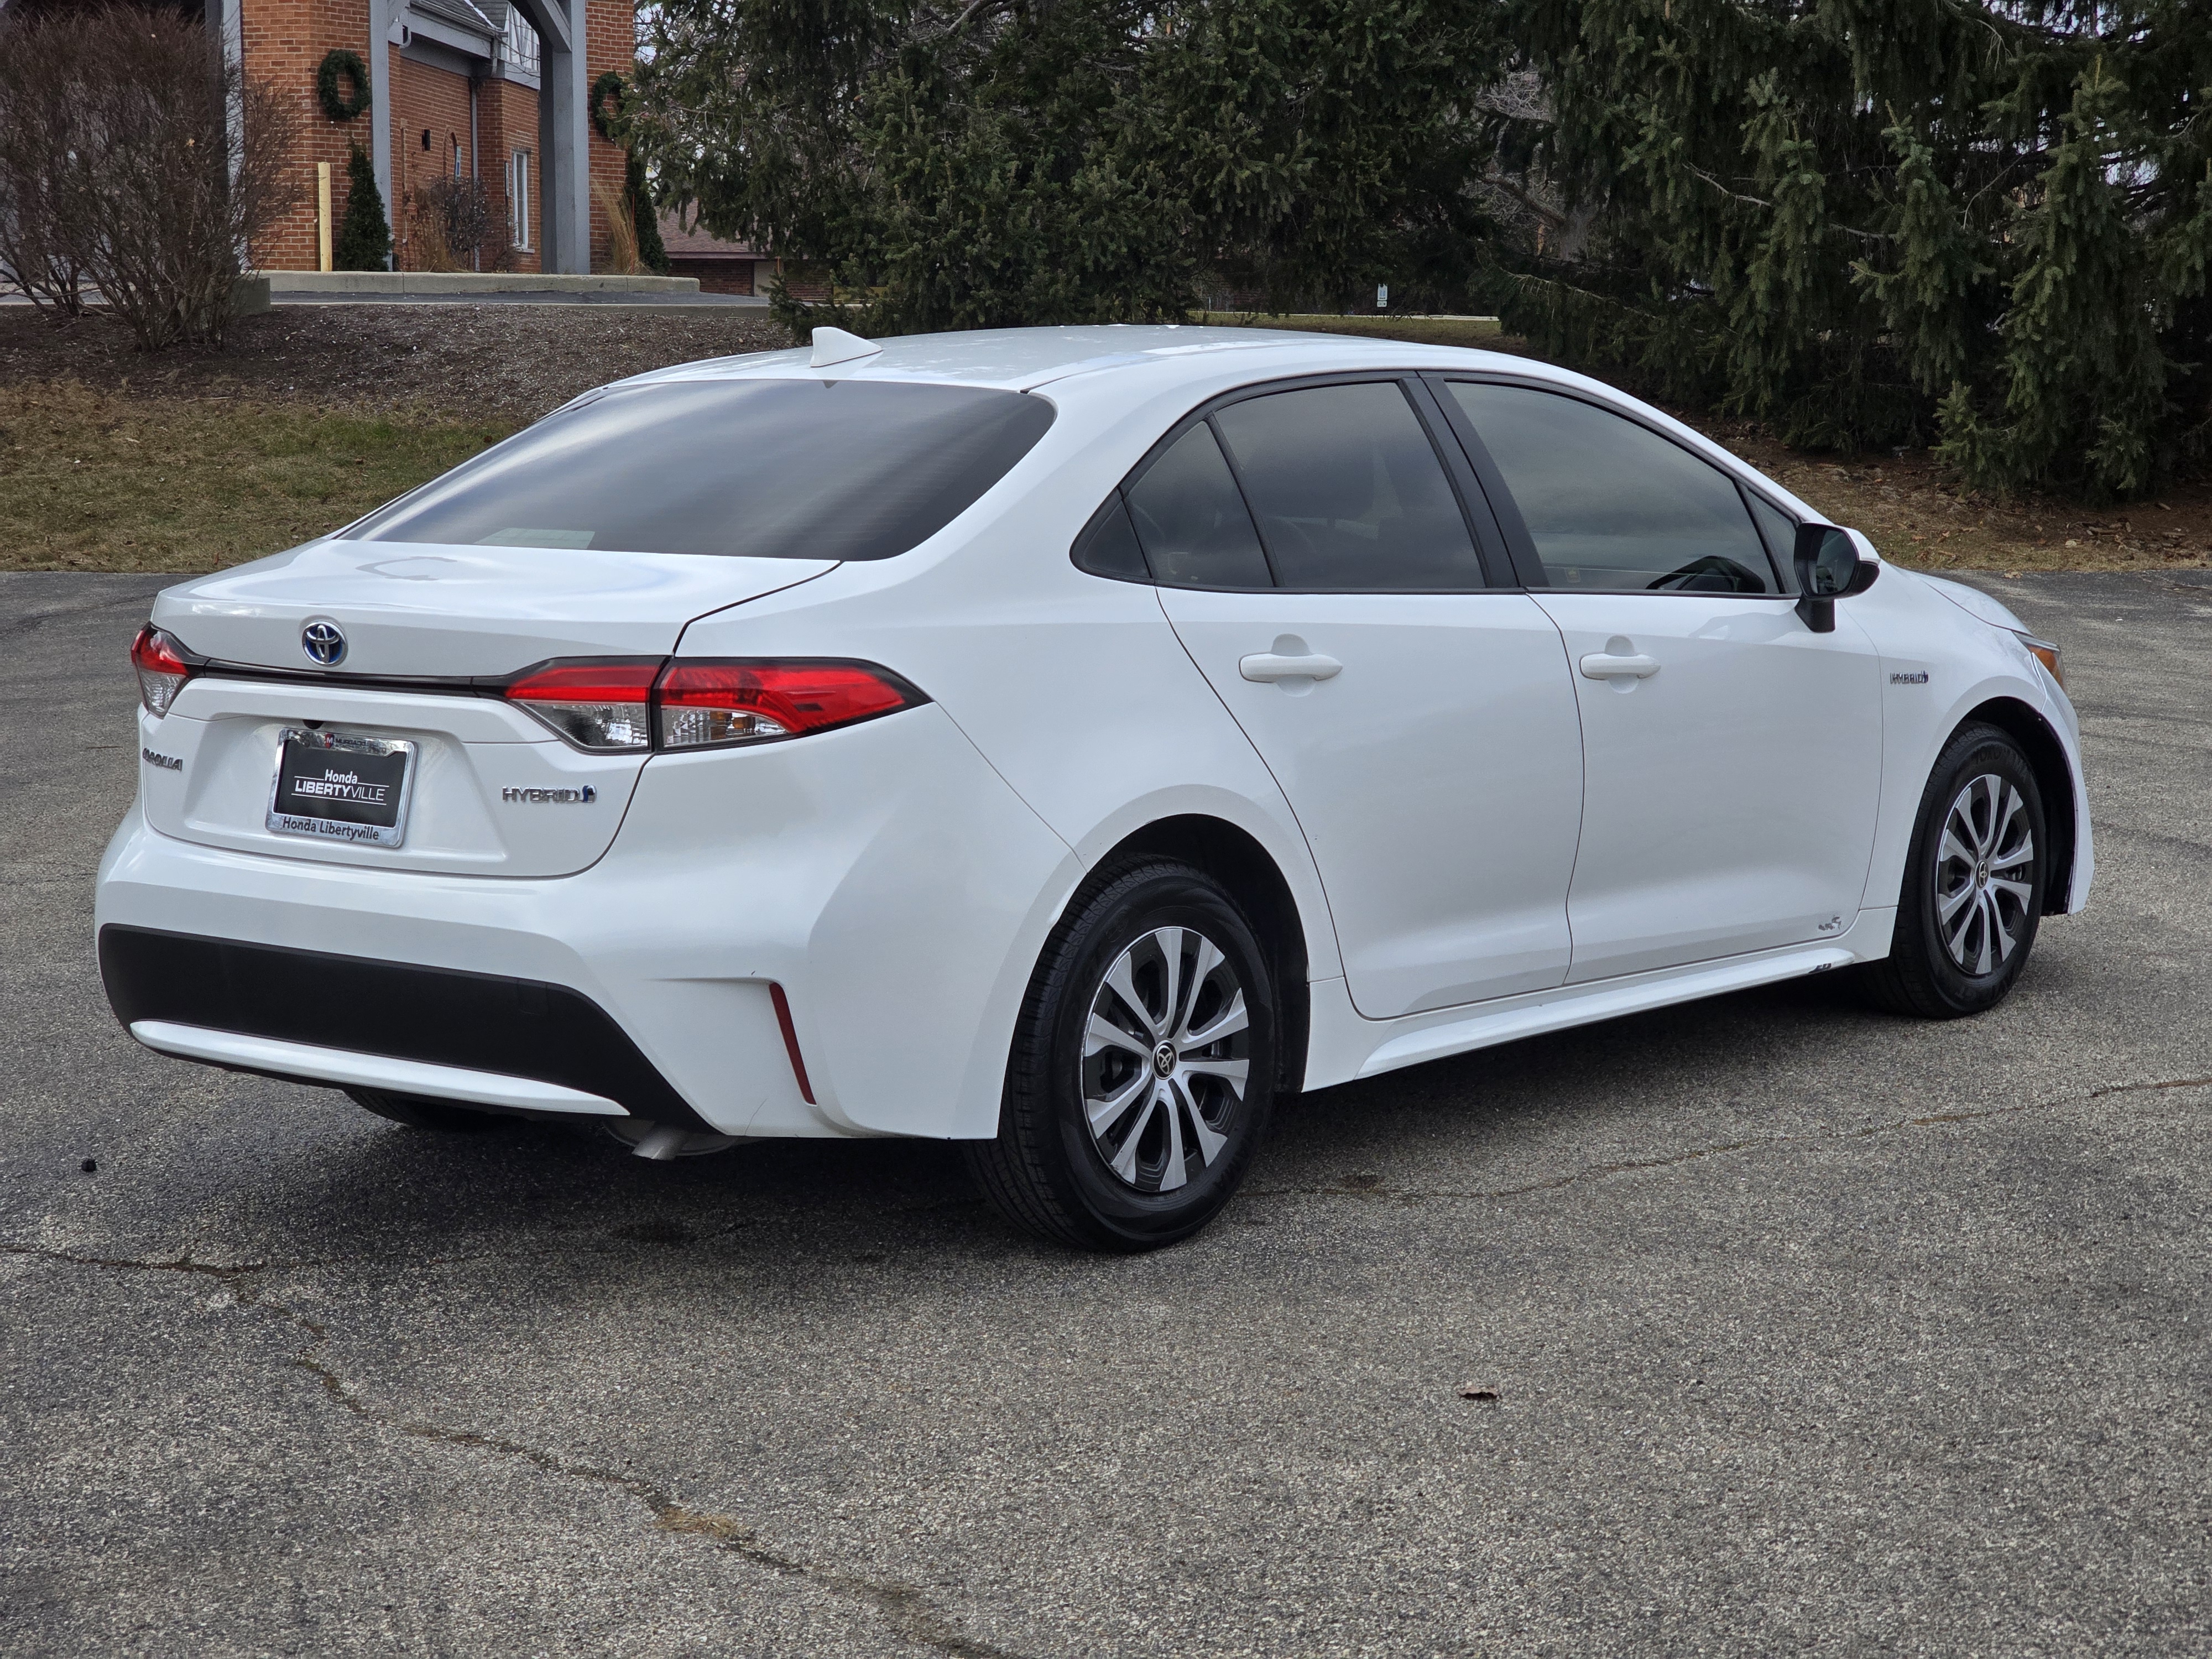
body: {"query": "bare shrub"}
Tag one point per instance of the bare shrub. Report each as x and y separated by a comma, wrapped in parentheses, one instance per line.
(155, 163)
(456, 228)
(36, 132)
(427, 249)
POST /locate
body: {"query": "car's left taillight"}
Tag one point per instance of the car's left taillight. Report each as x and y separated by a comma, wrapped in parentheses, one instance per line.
(162, 670)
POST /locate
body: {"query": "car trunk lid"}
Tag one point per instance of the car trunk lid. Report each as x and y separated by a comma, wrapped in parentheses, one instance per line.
(427, 633)
(422, 611)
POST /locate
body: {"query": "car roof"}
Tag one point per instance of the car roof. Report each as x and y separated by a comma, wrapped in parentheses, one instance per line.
(1022, 359)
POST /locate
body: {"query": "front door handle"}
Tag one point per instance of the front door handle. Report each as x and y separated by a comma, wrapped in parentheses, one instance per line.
(1267, 666)
(1604, 665)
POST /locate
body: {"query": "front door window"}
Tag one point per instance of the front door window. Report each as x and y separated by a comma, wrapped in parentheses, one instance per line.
(1610, 506)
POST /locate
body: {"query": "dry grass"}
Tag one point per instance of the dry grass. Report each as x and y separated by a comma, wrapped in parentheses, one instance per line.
(94, 481)
(621, 231)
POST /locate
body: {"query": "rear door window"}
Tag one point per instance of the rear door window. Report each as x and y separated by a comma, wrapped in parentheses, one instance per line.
(760, 468)
(1191, 521)
(1348, 491)
(1611, 505)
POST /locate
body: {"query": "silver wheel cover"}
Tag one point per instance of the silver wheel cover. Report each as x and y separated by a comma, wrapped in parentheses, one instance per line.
(1165, 1059)
(1984, 859)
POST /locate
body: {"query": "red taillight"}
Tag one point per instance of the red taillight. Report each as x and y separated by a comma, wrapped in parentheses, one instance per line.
(614, 706)
(705, 705)
(598, 706)
(162, 670)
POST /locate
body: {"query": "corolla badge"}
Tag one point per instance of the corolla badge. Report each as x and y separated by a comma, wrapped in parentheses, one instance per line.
(324, 646)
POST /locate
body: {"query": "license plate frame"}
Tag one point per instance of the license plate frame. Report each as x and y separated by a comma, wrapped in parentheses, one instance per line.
(359, 815)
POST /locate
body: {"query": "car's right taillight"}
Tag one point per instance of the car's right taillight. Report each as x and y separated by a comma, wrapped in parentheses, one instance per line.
(162, 670)
(602, 706)
(619, 705)
(711, 705)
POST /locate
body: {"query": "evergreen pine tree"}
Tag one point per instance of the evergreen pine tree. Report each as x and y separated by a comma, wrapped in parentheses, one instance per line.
(979, 163)
(1986, 223)
(363, 242)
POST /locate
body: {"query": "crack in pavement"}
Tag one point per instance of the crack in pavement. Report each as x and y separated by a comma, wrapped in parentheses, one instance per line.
(910, 1612)
(180, 1265)
(1596, 1172)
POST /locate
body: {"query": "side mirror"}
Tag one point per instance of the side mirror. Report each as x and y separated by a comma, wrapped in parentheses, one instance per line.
(1829, 567)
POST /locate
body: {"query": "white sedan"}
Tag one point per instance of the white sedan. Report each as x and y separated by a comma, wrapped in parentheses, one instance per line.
(1067, 742)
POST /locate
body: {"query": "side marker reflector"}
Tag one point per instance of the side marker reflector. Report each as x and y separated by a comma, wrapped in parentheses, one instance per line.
(791, 1041)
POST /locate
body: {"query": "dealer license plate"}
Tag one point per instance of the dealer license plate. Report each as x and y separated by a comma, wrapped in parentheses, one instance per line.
(341, 786)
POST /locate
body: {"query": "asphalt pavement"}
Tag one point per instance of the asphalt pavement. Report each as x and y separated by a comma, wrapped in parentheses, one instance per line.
(1809, 1329)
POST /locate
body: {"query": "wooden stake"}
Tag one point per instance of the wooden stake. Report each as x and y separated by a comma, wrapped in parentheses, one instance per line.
(323, 211)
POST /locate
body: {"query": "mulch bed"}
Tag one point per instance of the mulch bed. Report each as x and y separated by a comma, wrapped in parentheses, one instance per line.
(470, 361)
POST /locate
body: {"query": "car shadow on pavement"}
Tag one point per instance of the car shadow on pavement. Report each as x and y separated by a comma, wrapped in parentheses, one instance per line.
(350, 1187)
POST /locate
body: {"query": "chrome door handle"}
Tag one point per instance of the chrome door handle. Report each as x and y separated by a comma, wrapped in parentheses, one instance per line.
(1602, 665)
(1267, 666)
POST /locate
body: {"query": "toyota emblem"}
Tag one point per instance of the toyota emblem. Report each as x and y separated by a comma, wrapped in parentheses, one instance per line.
(324, 646)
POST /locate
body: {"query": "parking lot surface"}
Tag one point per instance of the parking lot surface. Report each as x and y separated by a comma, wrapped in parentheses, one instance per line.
(1809, 1329)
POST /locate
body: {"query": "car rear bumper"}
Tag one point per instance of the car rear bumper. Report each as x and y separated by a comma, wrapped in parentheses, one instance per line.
(485, 1038)
(883, 878)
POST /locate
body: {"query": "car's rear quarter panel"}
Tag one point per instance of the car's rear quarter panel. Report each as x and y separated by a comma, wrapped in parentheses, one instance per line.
(1073, 688)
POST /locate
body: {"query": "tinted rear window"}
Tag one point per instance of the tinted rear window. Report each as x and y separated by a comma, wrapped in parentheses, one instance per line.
(764, 469)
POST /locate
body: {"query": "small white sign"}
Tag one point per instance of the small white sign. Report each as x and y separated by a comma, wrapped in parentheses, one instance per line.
(1381, 296)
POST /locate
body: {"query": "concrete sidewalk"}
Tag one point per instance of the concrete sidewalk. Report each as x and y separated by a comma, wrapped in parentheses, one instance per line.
(261, 290)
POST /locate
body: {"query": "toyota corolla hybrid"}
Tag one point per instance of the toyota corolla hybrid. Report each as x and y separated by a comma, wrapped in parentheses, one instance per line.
(1067, 742)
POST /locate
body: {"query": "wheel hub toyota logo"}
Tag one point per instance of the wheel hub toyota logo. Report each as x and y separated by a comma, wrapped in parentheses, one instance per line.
(324, 646)
(1164, 1059)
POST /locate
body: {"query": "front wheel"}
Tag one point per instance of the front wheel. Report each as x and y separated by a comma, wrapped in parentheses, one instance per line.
(1973, 895)
(1142, 1075)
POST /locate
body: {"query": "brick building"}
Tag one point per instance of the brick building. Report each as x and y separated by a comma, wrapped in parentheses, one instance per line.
(723, 267)
(490, 90)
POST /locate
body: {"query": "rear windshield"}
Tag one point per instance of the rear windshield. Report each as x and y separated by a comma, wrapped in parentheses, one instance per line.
(764, 469)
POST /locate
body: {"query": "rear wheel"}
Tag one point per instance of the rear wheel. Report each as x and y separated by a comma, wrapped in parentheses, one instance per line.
(1143, 1068)
(1967, 912)
(416, 1113)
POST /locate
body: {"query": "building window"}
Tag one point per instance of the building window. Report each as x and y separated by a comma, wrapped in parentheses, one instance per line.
(521, 44)
(518, 198)
(457, 156)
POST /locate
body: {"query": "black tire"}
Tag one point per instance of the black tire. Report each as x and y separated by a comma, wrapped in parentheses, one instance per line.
(416, 1113)
(1924, 976)
(1047, 1171)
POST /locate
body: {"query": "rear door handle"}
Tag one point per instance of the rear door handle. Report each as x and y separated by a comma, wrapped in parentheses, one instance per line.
(1603, 665)
(1267, 666)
